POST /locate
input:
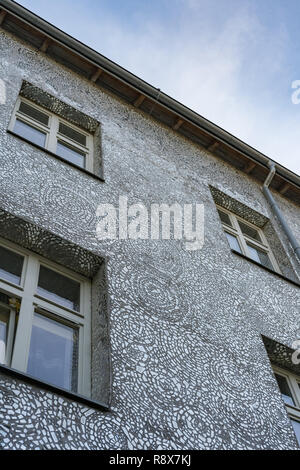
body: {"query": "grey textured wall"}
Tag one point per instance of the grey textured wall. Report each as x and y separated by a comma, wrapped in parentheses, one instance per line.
(189, 368)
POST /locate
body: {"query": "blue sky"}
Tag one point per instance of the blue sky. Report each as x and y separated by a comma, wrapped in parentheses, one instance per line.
(232, 61)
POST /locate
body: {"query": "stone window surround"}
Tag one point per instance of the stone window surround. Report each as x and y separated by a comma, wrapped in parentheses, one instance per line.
(55, 106)
(280, 357)
(84, 262)
(231, 204)
(32, 302)
(244, 241)
(293, 381)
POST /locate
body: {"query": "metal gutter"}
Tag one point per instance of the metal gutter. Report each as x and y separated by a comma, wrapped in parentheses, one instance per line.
(142, 87)
(277, 211)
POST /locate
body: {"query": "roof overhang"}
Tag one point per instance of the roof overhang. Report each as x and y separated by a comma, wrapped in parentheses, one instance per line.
(104, 73)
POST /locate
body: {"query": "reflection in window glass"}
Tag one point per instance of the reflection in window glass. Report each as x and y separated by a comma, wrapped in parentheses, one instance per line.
(53, 354)
(59, 288)
(4, 320)
(233, 242)
(224, 217)
(30, 133)
(70, 154)
(11, 265)
(33, 112)
(72, 133)
(285, 390)
(259, 256)
(296, 426)
(249, 231)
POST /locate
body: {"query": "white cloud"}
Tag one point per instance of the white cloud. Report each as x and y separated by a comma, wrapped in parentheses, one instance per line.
(229, 69)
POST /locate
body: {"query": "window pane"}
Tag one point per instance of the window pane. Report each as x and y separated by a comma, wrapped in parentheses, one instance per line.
(70, 154)
(233, 242)
(59, 288)
(53, 353)
(11, 265)
(30, 133)
(34, 113)
(285, 389)
(296, 426)
(70, 132)
(224, 217)
(259, 256)
(4, 320)
(249, 231)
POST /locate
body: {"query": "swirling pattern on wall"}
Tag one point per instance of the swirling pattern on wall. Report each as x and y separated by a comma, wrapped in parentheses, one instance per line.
(189, 368)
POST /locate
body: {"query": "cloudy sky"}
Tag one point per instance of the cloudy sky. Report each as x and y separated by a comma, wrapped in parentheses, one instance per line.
(232, 61)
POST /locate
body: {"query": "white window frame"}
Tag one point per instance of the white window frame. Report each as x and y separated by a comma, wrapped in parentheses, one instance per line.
(52, 132)
(31, 302)
(243, 239)
(293, 380)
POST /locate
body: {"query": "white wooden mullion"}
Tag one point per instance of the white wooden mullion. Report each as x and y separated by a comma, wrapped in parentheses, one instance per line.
(86, 352)
(256, 243)
(80, 379)
(240, 237)
(293, 413)
(229, 229)
(55, 309)
(32, 122)
(10, 289)
(52, 142)
(72, 143)
(89, 156)
(10, 335)
(296, 390)
(22, 342)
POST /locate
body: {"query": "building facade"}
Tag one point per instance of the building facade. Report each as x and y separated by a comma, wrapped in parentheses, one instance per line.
(156, 346)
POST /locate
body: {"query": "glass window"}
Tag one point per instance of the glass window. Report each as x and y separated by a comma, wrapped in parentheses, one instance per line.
(249, 231)
(53, 354)
(34, 113)
(70, 154)
(260, 256)
(4, 320)
(59, 288)
(72, 134)
(233, 242)
(8, 320)
(29, 132)
(288, 384)
(296, 426)
(247, 240)
(11, 265)
(45, 326)
(224, 217)
(48, 130)
(285, 389)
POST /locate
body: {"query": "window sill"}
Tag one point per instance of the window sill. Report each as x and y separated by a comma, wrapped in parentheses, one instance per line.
(265, 268)
(52, 388)
(56, 156)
